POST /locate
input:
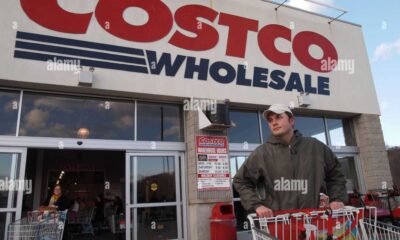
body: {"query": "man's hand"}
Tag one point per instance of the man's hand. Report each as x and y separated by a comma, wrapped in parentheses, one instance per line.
(264, 212)
(336, 205)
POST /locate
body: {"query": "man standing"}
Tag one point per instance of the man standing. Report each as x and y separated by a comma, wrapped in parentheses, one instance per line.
(289, 171)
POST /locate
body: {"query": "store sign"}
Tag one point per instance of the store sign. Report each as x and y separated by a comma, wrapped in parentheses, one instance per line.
(110, 16)
(212, 163)
(240, 50)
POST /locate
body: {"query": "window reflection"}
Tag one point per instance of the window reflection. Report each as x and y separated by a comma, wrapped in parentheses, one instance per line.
(9, 166)
(9, 104)
(311, 127)
(348, 168)
(246, 129)
(5, 171)
(72, 117)
(156, 179)
(157, 223)
(266, 131)
(159, 122)
(336, 132)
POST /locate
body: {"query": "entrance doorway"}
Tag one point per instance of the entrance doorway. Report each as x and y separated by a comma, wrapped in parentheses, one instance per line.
(93, 181)
(143, 192)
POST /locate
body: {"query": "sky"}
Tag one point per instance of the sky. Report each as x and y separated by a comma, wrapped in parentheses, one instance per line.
(380, 22)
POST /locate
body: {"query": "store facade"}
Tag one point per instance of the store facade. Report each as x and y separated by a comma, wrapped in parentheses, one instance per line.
(111, 89)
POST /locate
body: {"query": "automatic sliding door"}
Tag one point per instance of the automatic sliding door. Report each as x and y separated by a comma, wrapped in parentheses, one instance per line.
(154, 209)
(12, 169)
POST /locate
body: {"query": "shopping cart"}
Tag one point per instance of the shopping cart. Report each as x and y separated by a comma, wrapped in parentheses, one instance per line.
(38, 226)
(81, 222)
(380, 230)
(317, 224)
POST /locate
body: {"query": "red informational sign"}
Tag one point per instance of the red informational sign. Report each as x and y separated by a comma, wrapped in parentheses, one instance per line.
(212, 163)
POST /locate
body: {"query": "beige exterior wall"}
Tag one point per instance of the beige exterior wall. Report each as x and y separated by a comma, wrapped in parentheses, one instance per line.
(200, 203)
(373, 154)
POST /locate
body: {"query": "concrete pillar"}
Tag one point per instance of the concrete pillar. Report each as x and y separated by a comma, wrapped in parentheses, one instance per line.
(373, 152)
(200, 203)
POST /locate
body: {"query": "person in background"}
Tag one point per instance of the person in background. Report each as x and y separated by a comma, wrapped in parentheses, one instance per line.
(57, 200)
(118, 205)
(99, 215)
(119, 215)
(75, 204)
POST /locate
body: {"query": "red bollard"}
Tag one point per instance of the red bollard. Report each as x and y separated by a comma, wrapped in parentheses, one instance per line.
(223, 222)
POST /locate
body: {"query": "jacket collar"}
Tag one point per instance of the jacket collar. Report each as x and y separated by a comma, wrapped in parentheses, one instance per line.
(275, 140)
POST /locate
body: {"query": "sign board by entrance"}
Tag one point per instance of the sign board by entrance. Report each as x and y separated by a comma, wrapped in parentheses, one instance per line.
(212, 163)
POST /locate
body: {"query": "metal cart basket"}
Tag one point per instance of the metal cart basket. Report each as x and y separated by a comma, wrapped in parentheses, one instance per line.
(38, 226)
(315, 224)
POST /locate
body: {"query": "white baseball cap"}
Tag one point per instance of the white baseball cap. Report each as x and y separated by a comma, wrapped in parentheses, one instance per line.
(278, 109)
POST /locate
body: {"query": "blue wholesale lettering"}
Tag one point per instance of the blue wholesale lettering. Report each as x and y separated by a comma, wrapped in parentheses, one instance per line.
(261, 77)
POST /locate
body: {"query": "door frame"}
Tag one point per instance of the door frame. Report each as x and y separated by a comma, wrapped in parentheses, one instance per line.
(18, 174)
(180, 186)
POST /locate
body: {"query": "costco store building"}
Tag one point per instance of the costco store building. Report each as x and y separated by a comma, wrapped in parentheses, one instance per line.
(103, 97)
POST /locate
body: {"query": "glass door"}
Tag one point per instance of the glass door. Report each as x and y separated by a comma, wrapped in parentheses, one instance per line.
(12, 186)
(350, 167)
(154, 208)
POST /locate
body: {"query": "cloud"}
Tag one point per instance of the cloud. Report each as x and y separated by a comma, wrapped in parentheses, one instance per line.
(36, 119)
(309, 6)
(172, 131)
(124, 122)
(386, 50)
(51, 102)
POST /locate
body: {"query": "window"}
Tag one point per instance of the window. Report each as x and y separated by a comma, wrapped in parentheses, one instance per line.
(72, 117)
(266, 131)
(157, 223)
(9, 105)
(247, 127)
(336, 133)
(156, 179)
(348, 168)
(311, 127)
(159, 122)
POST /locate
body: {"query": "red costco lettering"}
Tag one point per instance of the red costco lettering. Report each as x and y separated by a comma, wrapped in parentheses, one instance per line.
(109, 14)
(301, 44)
(186, 18)
(237, 35)
(266, 42)
(210, 141)
(49, 14)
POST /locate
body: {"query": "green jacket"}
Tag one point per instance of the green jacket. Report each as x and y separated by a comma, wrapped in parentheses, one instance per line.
(283, 177)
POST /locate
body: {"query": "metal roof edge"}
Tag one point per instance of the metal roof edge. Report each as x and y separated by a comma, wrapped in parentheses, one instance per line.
(313, 13)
